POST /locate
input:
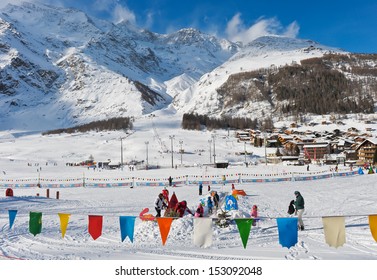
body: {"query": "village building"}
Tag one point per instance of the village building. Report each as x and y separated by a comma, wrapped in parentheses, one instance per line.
(366, 151)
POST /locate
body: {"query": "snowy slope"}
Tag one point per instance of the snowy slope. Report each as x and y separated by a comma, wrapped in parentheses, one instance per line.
(263, 52)
(72, 69)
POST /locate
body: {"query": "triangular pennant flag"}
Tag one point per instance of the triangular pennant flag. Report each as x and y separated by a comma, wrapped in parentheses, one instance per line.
(35, 223)
(164, 224)
(373, 226)
(64, 218)
(173, 201)
(244, 226)
(203, 232)
(95, 226)
(127, 225)
(335, 231)
(12, 217)
(287, 228)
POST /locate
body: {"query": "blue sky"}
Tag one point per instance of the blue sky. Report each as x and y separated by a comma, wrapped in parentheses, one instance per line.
(350, 25)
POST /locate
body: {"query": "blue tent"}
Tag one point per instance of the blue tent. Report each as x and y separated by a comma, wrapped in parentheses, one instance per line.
(231, 203)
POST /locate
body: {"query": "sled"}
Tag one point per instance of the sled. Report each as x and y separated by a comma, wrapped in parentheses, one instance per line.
(238, 192)
(146, 217)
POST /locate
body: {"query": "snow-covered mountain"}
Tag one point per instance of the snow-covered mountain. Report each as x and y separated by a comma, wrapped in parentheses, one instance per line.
(59, 67)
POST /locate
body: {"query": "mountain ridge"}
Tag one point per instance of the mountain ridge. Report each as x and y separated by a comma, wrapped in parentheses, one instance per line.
(60, 67)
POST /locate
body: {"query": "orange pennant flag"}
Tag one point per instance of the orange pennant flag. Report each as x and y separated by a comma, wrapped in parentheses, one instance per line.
(164, 224)
(373, 226)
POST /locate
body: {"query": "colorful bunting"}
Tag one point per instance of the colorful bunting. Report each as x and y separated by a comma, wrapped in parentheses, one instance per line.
(127, 225)
(287, 228)
(373, 226)
(35, 223)
(203, 232)
(12, 217)
(164, 224)
(95, 226)
(244, 227)
(64, 218)
(335, 231)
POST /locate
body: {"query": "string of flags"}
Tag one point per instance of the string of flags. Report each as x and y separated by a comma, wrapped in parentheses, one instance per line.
(333, 227)
(185, 179)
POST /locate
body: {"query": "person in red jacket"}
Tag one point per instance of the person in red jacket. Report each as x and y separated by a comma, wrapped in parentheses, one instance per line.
(181, 208)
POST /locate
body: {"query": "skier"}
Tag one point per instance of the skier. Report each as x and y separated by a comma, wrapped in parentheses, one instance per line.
(159, 204)
(170, 179)
(200, 189)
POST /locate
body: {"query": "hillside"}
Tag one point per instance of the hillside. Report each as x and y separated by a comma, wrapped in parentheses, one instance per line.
(61, 68)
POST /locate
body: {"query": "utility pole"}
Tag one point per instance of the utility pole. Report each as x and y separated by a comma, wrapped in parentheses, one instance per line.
(265, 148)
(121, 152)
(210, 156)
(171, 140)
(245, 150)
(214, 148)
(146, 144)
(180, 143)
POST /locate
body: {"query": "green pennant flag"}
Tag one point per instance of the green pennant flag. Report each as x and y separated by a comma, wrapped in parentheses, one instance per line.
(35, 223)
(244, 226)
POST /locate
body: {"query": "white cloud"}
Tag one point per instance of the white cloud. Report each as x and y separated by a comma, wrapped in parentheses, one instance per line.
(103, 5)
(292, 30)
(122, 13)
(237, 32)
(150, 20)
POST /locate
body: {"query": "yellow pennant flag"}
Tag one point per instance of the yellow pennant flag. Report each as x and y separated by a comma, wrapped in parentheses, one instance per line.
(335, 231)
(64, 218)
(373, 226)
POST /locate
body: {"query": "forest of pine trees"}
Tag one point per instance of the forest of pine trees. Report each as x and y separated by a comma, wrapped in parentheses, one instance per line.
(198, 122)
(110, 124)
(333, 83)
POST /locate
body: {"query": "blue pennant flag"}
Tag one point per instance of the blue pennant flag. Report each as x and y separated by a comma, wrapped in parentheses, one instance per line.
(288, 235)
(12, 217)
(127, 225)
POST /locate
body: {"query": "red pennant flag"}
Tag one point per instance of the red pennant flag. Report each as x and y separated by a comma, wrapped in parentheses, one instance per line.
(95, 226)
(173, 201)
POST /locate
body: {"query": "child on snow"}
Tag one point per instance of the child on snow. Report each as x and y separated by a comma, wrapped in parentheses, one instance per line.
(254, 213)
(199, 211)
(209, 205)
(291, 207)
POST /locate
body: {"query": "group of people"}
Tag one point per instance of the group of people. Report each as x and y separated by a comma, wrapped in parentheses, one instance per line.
(296, 206)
